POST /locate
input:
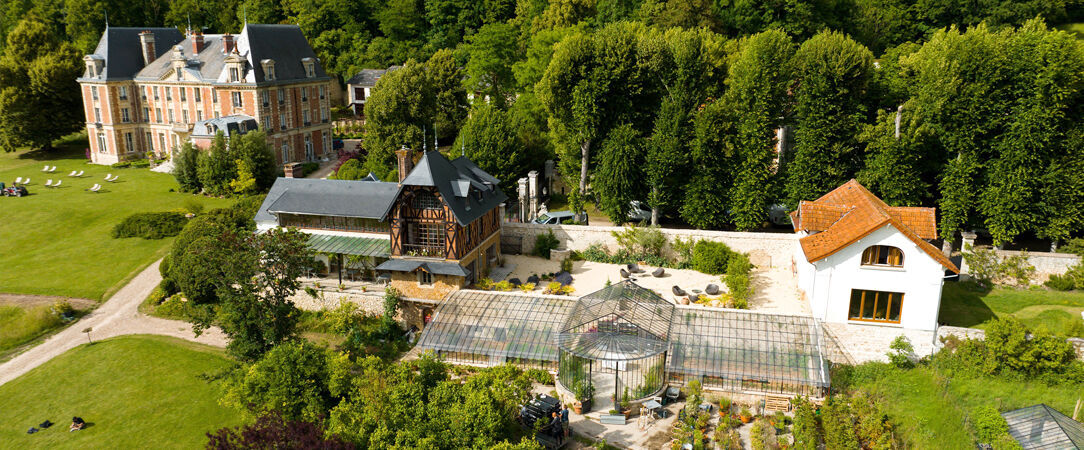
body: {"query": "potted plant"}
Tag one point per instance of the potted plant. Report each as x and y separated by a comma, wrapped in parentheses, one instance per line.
(585, 392)
(746, 415)
(626, 404)
(724, 407)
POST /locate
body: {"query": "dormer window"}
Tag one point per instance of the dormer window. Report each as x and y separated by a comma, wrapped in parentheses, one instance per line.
(882, 256)
(235, 75)
(310, 67)
(268, 69)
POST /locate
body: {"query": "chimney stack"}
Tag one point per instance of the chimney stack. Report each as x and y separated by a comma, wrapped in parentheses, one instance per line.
(291, 170)
(406, 162)
(146, 42)
(228, 44)
(197, 42)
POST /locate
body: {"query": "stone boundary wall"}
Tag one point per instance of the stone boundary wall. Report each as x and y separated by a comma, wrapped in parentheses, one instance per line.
(974, 333)
(1046, 263)
(764, 249)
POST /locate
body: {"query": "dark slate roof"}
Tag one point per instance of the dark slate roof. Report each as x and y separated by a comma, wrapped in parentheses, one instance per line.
(120, 48)
(469, 191)
(283, 43)
(343, 198)
(229, 125)
(206, 66)
(1042, 427)
(409, 265)
(369, 77)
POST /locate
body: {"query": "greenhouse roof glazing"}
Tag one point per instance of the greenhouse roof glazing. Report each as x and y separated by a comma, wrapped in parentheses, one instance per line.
(497, 324)
(1042, 427)
(762, 351)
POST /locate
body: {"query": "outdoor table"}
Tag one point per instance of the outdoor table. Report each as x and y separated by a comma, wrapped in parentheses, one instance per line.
(652, 405)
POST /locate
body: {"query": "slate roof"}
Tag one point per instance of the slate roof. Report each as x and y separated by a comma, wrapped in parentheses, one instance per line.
(410, 265)
(369, 77)
(468, 190)
(342, 198)
(1042, 427)
(285, 44)
(228, 125)
(120, 48)
(851, 212)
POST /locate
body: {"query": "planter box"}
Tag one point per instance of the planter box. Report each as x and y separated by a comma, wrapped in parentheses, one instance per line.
(616, 419)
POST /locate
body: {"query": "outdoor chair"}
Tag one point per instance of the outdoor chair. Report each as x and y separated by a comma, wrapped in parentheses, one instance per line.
(49, 183)
(108, 176)
(624, 273)
(79, 174)
(533, 279)
(678, 291)
(114, 179)
(658, 272)
(57, 184)
(18, 180)
(712, 289)
(52, 169)
(95, 188)
(46, 169)
(72, 174)
(633, 268)
(26, 181)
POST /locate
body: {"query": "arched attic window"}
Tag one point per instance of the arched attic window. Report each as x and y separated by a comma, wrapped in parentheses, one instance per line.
(883, 256)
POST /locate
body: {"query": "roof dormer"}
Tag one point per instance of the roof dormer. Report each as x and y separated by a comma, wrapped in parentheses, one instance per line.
(235, 68)
(310, 67)
(178, 61)
(268, 69)
(95, 65)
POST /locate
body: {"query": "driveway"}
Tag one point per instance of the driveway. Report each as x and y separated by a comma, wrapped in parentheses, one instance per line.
(117, 316)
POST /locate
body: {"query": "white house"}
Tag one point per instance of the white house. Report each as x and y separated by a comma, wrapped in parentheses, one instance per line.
(863, 262)
(360, 87)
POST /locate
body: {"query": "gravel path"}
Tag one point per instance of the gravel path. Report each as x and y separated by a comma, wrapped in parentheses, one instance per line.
(117, 316)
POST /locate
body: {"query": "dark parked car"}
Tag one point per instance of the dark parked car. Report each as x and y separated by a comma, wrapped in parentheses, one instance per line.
(14, 191)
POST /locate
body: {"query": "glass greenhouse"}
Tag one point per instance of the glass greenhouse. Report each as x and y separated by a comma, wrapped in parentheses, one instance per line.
(625, 337)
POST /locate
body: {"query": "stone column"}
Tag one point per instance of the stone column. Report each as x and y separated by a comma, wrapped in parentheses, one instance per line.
(501, 211)
(524, 214)
(534, 197)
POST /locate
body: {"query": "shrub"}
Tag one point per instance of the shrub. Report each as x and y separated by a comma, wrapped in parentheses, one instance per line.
(737, 280)
(504, 286)
(1017, 269)
(540, 376)
(554, 288)
(141, 164)
(156, 225)
(641, 241)
(982, 264)
(710, 257)
(122, 165)
(309, 167)
(596, 253)
(484, 284)
(902, 352)
(193, 206)
(684, 251)
(544, 243)
(1060, 283)
(566, 265)
(1075, 246)
(986, 268)
(988, 423)
(527, 287)
(806, 436)
(762, 436)
(838, 424)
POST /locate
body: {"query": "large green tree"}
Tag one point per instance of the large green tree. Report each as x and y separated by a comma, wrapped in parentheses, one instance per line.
(37, 81)
(710, 174)
(489, 140)
(492, 52)
(833, 75)
(757, 95)
(619, 179)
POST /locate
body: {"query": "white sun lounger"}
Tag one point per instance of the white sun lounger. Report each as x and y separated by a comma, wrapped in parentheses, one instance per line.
(57, 184)
(115, 177)
(72, 174)
(49, 183)
(45, 169)
(95, 188)
(18, 180)
(79, 174)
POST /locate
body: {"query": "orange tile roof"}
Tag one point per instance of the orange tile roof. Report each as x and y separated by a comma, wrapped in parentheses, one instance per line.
(851, 212)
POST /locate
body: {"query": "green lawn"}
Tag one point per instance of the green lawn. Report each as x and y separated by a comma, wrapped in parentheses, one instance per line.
(133, 391)
(928, 411)
(57, 241)
(963, 305)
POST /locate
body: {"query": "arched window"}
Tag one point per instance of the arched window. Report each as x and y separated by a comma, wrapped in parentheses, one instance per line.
(425, 200)
(882, 255)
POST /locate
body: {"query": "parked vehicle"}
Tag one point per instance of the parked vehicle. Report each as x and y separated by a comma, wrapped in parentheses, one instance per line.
(557, 217)
(639, 211)
(14, 191)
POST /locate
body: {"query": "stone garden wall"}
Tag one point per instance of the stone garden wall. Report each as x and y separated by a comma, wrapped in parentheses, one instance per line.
(764, 249)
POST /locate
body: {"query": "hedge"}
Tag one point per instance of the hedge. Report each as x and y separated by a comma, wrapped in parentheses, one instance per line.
(155, 225)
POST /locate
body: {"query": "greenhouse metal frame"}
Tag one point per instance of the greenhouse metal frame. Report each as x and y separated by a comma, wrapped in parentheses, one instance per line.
(629, 329)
